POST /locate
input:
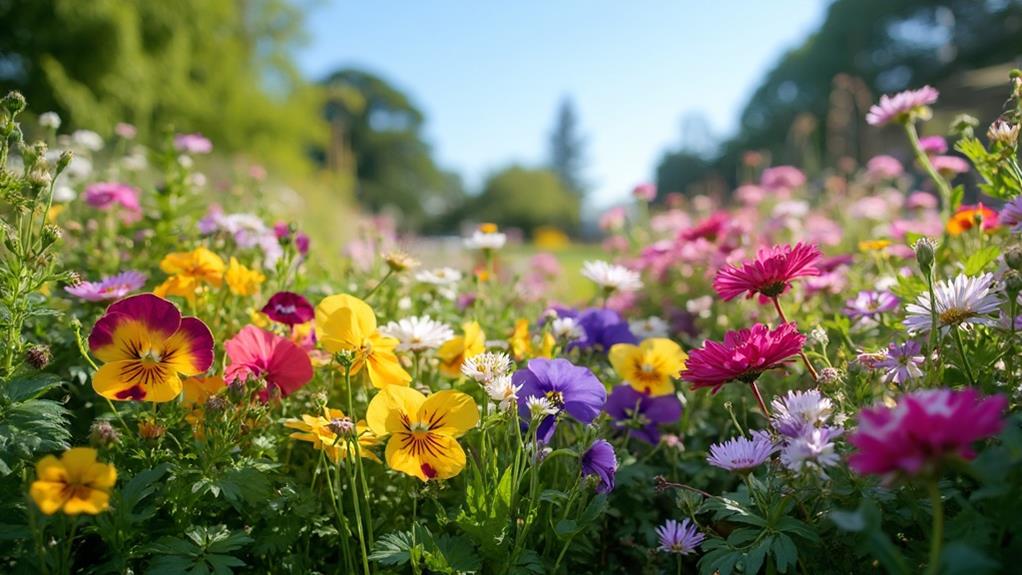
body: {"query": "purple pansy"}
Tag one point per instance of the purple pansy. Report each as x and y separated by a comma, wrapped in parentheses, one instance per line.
(601, 328)
(642, 413)
(566, 386)
(599, 461)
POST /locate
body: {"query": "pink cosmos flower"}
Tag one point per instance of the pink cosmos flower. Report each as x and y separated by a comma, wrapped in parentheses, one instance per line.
(256, 353)
(884, 167)
(194, 143)
(902, 106)
(782, 178)
(106, 195)
(924, 428)
(289, 308)
(770, 274)
(933, 145)
(114, 287)
(644, 192)
(750, 195)
(949, 166)
(743, 355)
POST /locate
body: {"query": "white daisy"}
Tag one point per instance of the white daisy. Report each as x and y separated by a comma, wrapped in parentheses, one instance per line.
(540, 406)
(486, 367)
(87, 139)
(438, 276)
(612, 277)
(502, 390)
(652, 326)
(418, 334)
(960, 302)
(566, 328)
(49, 120)
(485, 240)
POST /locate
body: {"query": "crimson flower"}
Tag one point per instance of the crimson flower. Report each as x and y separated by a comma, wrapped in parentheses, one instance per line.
(289, 308)
(770, 274)
(743, 355)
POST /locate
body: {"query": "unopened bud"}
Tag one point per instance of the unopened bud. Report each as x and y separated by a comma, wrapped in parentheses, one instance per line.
(1013, 257)
(216, 404)
(1001, 132)
(1013, 282)
(51, 233)
(38, 356)
(345, 357)
(829, 376)
(13, 102)
(103, 434)
(400, 261)
(151, 430)
(964, 125)
(924, 248)
(73, 279)
(64, 160)
(342, 426)
(817, 337)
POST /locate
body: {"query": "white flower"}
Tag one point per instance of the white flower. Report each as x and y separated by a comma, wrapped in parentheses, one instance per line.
(438, 276)
(540, 407)
(486, 367)
(418, 334)
(960, 302)
(652, 326)
(813, 449)
(404, 304)
(481, 240)
(999, 131)
(799, 410)
(700, 306)
(49, 120)
(63, 194)
(611, 277)
(505, 392)
(566, 328)
(88, 140)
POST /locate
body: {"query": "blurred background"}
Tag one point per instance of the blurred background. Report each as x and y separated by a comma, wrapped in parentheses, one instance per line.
(538, 116)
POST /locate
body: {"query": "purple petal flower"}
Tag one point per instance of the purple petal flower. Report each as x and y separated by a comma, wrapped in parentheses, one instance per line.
(602, 329)
(902, 106)
(902, 362)
(869, 304)
(110, 288)
(599, 461)
(642, 413)
(565, 385)
(289, 308)
(741, 453)
(1011, 214)
(194, 143)
(681, 538)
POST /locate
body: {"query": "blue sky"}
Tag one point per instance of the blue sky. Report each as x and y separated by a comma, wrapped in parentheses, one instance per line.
(490, 75)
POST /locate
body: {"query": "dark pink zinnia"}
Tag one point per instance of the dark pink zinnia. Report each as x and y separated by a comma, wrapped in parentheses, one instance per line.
(743, 355)
(922, 429)
(770, 274)
(289, 308)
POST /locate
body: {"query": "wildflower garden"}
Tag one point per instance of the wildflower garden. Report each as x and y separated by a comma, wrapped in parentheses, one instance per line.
(820, 376)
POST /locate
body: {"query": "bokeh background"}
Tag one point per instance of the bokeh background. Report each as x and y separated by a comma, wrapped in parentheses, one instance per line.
(423, 119)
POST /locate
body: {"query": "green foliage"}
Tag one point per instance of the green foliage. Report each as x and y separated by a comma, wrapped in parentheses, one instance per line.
(204, 550)
(526, 198)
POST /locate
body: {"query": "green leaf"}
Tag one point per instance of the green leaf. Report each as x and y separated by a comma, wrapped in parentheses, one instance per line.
(848, 520)
(960, 558)
(785, 553)
(460, 553)
(528, 563)
(393, 549)
(957, 194)
(755, 556)
(798, 527)
(30, 387)
(980, 259)
(741, 536)
(566, 528)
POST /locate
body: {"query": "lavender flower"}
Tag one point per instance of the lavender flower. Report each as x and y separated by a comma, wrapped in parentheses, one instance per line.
(741, 453)
(903, 107)
(565, 386)
(813, 449)
(110, 288)
(867, 305)
(599, 461)
(799, 411)
(1011, 214)
(642, 413)
(681, 538)
(902, 362)
(194, 143)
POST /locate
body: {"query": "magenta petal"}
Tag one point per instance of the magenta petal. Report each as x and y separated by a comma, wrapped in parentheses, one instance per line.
(200, 342)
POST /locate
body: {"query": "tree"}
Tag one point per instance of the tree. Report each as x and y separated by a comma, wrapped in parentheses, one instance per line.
(567, 150)
(526, 198)
(376, 134)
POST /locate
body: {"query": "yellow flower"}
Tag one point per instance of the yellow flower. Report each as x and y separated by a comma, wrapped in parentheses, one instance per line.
(258, 318)
(423, 430)
(649, 366)
(346, 323)
(521, 344)
(198, 389)
(180, 286)
(488, 228)
(199, 264)
(547, 345)
(317, 429)
(54, 212)
(242, 280)
(873, 245)
(456, 350)
(75, 483)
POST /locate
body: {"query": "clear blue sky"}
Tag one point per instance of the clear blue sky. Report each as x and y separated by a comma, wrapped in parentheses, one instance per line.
(489, 75)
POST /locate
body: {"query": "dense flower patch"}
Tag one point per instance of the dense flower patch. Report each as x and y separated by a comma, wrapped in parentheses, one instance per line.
(821, 377)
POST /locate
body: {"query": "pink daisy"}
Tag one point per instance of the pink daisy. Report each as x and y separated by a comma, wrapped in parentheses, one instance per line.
(770, 274)
(902, 106)
(743, 355)
(949, 166)
(924, 428)
(782, 178)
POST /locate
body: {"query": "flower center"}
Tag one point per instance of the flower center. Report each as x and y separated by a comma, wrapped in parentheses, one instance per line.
(556, 399)
(773, 289)
(955, 316)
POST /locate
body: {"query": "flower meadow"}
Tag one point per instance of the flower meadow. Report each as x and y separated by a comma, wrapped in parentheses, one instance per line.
(818, 376)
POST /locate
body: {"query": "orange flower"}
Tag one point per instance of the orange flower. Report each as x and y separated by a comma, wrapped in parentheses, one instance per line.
(968, 216)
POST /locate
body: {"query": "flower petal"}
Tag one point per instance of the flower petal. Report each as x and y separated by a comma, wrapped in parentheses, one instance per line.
(437, 457)
(190, 350)
(385, 369)
(138, 320)
(136, 380)
(385, 411)
(449, 412)
(48, 495)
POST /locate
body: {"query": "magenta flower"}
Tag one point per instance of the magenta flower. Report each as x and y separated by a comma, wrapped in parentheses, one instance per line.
(645, 192)
(681, 538)
(770, 274)
(282, 230)
(903, 106)
(741, 453)
(782, 178)
(710, 229)
(289, 308)
(884, 167)
(106, 195)
(302, 243)
(113, 287)
(923, 429)
(743, 355)
(194, 143)
(933, 145)
(255, 353)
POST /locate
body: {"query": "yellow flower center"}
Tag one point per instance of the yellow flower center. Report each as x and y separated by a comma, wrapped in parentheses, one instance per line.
(955, 316)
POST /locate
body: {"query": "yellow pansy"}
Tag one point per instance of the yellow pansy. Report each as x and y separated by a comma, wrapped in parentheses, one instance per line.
(521, 344)
(456, 350)
(320, 431)
(649, 366)
(346, 323)
(242, 280)
(423, 430)
(75, 483)
(547, 343)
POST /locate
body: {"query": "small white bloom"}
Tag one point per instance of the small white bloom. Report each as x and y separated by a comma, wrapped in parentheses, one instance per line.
(700, 306)
(404, 304)
(49, 120)
(611, 277)
(960, 302)
(481, 240)
(812, 450)
(185, 161)
(63, 193)
(540, 407)
(798, 411)
(650, 327)
(88, 140)
(817, 336)
(486, 367)
(503, 391)
(418, 334)
(885, 283)
(439, 276)
(566, 328)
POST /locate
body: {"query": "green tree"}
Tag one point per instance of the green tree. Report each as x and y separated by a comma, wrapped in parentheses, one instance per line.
(376, 134)
(526, 198)
(567, 149)
(221, 67)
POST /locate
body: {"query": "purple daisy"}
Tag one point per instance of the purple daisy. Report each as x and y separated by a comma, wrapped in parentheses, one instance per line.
(741, 453)
(1011, 214)
(867, 305)
(599, 461)
(632, 409)
(289, 308)
(902, 106)
(109, 288)
(681, 538)
(902, 362)
(565, 386)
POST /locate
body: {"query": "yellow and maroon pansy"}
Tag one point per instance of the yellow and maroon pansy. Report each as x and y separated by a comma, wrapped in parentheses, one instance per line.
(146, 346)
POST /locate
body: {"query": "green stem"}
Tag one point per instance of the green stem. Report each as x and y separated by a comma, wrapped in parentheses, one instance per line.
(934, 327)
(942, 185)
(1012, 311)
(937, 533)
(802, 354)
(412, 555)
(389, 273)
(759, 399)
(965, 357)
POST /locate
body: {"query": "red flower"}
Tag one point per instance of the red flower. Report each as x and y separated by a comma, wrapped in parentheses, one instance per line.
(742, 356)
(256, 353)
(770, 274)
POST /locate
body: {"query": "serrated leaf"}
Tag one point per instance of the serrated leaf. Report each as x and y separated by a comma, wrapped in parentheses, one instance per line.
(980, 259)
(393, 549)
(785, 553)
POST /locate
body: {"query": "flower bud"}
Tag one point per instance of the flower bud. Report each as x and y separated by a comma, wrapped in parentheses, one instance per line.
(924, 248)
(399, 261)
(1013, 257)
(51, 233)
(13, 102)
(216, 404)
(151, 430)
(1001, 132)
(829, 376)
(38, 356)
(103, 434)
(64, 160)
(1013, 282)
(342, 427)
(817, 337)
(964, 125)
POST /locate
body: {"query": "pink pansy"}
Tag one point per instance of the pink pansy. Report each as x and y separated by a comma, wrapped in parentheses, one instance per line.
(924, 428)
(770, 274)
(257, 353)
(743, 355)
